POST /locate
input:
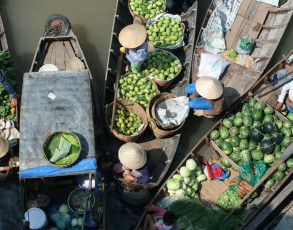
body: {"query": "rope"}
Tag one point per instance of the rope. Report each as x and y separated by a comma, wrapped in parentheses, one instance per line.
(54, 30)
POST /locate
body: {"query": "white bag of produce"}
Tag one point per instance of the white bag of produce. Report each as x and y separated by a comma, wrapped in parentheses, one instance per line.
(173, 111)
(211, 65)
(180, 39)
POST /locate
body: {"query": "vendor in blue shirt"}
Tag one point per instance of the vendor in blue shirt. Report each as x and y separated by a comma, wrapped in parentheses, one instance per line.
(12, 93)
(132, 38)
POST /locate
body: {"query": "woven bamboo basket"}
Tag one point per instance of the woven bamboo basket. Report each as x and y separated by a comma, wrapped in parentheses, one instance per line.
(48, 139)
(159, 132)
(131, 107)
(153, 83)
(154, 114)
(139, 18)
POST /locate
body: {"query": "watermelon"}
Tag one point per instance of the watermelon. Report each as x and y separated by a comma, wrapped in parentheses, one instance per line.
(245, 155)
(228, 200)
(238, 114)
(289, 163)
(244, 132)
(256, 134)
(257, 155)
(257, 115)
(290, 116)
(278, 154)
(236, 149)
(276, 137)
(243, 144)
(286, 142)
(227, 123)
(247, 120)
(219, 142)
(268, 127)
(252, 145)
(225, 163)
(215, 134)
(234, 131)
(268, 118)
(277, 148)
(260, 105)
(230, 116)
(275, 117)
(279, 124)
(238, 121)
(278, 175)
(282, 167)
(287, 124)
(252, 102)
(286, 131)
(270, 183)
(269, 110)
(227, 147)
(235, 156)
(224, 132)
(266, 146)
(257, 124)
(246, 112)
(269, 158)
(234, 141)
(245, 106)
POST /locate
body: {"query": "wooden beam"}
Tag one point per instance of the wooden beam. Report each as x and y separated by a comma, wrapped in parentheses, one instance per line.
(274, 26)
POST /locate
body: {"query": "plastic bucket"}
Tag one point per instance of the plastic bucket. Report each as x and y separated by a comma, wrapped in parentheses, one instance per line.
(37, 218)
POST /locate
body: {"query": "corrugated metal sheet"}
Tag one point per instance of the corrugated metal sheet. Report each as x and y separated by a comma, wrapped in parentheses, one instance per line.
(39, 116)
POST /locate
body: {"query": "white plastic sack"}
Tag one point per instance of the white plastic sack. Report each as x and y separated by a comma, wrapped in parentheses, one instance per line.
(153, 20)
(168, 200)
(211, 65)
(152, 77)
(271, 2)
(173, 111)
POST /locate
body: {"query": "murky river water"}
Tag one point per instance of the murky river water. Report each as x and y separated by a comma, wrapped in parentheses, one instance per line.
(91, 21)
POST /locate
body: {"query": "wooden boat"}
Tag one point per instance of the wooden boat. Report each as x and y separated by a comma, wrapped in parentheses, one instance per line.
(161, 151)
(59, 50)
(263, 23)
(207, 150)
(270, 94)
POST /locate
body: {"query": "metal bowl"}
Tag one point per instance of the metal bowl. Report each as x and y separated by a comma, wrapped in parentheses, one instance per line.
(71, 199)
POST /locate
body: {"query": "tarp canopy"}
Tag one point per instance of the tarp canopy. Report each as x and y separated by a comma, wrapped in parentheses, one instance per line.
(53, 101)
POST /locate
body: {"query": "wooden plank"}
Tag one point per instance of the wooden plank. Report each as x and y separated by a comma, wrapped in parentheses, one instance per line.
(251, 9)
(261, 14)
(48, 55)
(76, 48)
(286, 221)
(240, 29)
(59, 55)
(243, 7)
(69, 49)
(66, 55)
(283, 158)
(53, 54)
(271, 207)
(231, 34)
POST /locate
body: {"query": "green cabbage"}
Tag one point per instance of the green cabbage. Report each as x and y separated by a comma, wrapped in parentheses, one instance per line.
(173, 184)
(184, 171)
(191, 164)
(201, 177)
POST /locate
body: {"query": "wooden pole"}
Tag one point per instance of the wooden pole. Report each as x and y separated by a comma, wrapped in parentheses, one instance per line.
(116, 89)
(284, 157)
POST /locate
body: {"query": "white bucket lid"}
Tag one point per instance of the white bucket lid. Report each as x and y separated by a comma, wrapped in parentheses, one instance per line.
(48, 67)
(36, 217)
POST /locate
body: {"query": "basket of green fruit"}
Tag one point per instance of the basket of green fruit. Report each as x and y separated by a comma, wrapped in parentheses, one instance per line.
(142, 10)
(166, 31)
(161, 66)
(61, 148)
(137, 87)
(130, 120)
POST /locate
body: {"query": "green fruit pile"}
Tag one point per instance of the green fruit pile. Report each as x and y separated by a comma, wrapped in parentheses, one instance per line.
(147, 9)
(165, 32)
(136, 87)
(126, 123)
(161, 64)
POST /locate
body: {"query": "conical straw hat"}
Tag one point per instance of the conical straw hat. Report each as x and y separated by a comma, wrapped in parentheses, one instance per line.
(4, 146)
(75, 64)
(209, 87)
(132, 36)
(132, 155)
(48, 67)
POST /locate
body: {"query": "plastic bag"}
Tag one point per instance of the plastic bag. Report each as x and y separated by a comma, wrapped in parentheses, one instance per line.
(249, 175)
(245, 60)
(153, 20)
(211, 65)
(229, 55)
(173, 111)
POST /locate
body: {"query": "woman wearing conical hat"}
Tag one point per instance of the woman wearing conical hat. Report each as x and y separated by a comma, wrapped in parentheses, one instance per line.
(133, 40)
(207, 97)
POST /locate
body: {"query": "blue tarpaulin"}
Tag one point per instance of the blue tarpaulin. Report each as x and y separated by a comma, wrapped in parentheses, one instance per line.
(48, 170)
